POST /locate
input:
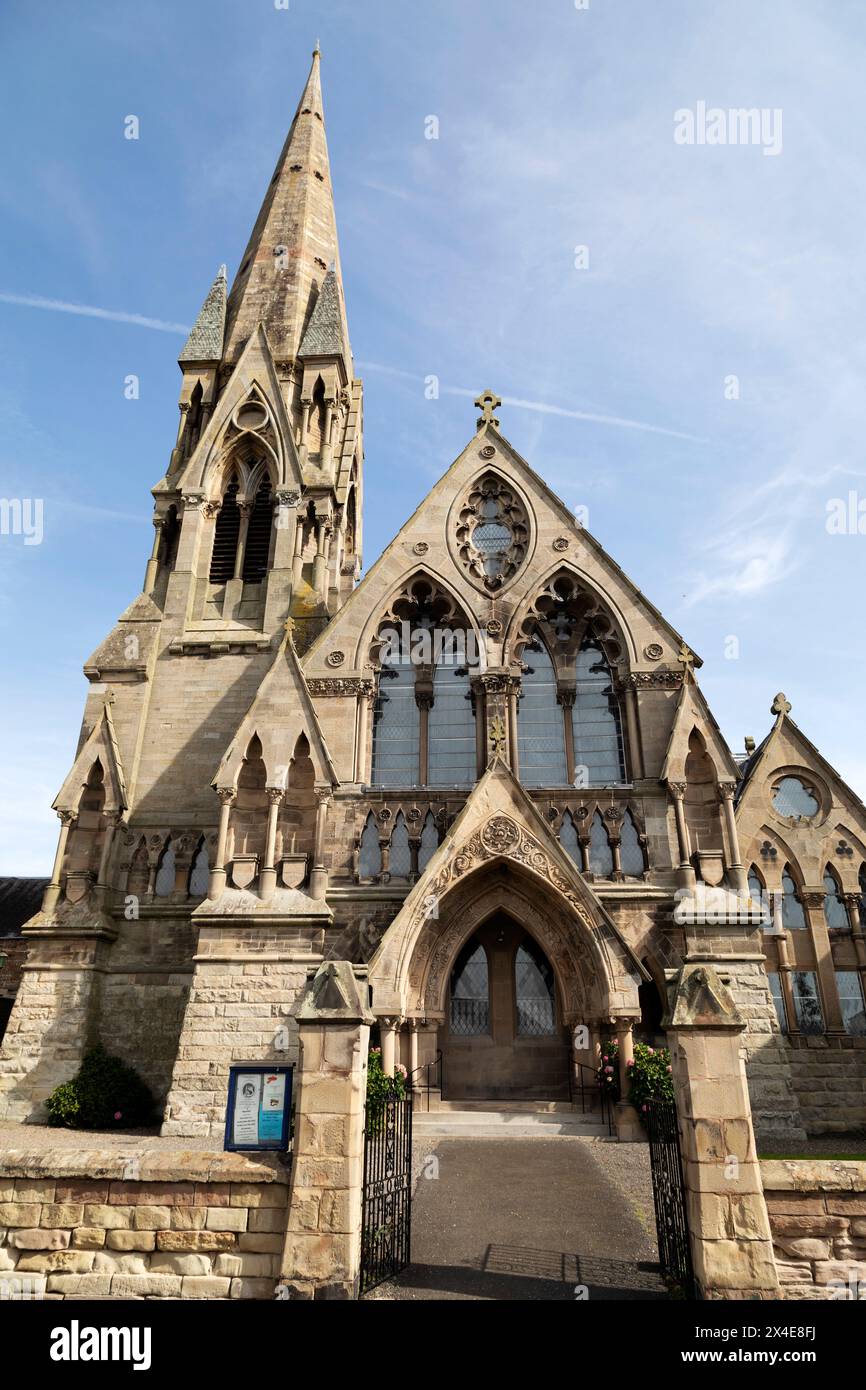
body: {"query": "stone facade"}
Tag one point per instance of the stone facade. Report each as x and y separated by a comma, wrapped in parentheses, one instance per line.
(261, 785)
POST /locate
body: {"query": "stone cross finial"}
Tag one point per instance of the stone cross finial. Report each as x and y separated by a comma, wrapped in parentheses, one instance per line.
(686, 658)
(487, 403)
(780, 705)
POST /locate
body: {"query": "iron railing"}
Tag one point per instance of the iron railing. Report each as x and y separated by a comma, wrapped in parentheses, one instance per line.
(430, 1076)
(669, 1198)
(386, 1208)
(585, 1084)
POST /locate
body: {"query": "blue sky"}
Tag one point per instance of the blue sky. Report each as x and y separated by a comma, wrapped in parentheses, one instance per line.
(555, 131)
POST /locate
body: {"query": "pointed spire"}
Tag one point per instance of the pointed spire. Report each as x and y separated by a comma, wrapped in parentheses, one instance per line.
(324, 332)
(205, 342)
(294, 239)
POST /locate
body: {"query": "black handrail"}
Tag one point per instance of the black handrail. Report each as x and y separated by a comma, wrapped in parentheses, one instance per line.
(428, 1085)
(595, 1090)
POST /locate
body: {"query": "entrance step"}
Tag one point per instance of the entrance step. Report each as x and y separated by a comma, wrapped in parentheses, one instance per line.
(535, 1107)
(507, 1124)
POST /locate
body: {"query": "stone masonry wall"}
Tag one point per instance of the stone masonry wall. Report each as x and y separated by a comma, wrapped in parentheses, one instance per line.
(163, 1225)
(829, 1077)
(775, 1109)
(818, 1223)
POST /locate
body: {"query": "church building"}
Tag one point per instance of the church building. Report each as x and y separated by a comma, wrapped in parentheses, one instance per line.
(485, 773)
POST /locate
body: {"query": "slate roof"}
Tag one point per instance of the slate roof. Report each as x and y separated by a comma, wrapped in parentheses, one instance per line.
(20, 899)
(324, 332)
(205, 342)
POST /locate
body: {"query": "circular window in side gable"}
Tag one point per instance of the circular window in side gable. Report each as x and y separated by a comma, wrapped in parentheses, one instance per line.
(796, 799)
(251, 416)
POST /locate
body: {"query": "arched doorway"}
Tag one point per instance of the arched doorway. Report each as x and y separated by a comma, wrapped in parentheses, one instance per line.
(503, 1036)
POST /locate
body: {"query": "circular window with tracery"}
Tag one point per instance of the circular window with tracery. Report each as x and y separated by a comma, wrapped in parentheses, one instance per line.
(492, 532)
(796, 799)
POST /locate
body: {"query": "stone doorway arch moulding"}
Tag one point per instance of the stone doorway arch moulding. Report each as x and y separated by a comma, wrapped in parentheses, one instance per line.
(461, 888)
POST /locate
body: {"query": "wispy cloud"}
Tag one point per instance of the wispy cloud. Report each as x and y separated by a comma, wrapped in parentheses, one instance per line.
(539, 407)
(90, 311)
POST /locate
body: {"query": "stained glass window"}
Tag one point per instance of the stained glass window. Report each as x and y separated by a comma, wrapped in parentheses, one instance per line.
(793, 798)
(595, 719)
(540, 734)
(600, 852)
(534, 989)
(396, 728)
(793, 916)
(807, 1003)
(851, 1000)
(835, 911)
(470, 1000)
(630, 850)
(451, 754)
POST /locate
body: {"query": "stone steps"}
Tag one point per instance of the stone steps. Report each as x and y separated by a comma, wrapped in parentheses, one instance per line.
(524, 1123)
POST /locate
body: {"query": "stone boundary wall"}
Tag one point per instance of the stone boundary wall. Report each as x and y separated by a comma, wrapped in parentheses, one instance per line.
(817, 1214)
(829, 1078)
(161, 1224)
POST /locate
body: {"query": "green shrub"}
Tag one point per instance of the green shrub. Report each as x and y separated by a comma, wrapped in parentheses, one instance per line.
(104, 1094)
(649, 1074)
(381, 1087)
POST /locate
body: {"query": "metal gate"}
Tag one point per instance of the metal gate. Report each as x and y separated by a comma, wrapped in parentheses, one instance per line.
(386, 1212)
(669, 1196)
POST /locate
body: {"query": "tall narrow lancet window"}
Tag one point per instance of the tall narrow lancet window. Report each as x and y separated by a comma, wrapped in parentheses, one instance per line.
(470, 993)
(534, 990)
(396, 728)
(568, 838)
(759, 896)
(835, 911)
(451, 753)
(595, 718)
(540, 735)
(429, 841)
(600, 852)
(226, 534)
(199, 875)
(165, 874)
(370, 858)
(400, 862)
(793, 915)
(258, 541)
(169, 539)
(631, 856)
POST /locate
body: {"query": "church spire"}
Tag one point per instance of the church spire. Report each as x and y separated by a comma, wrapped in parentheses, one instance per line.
(294, 240)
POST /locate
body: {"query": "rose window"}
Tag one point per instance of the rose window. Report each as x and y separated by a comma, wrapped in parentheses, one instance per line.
(492, 532)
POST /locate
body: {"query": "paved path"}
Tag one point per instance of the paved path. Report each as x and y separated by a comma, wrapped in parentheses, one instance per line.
(530, 1219)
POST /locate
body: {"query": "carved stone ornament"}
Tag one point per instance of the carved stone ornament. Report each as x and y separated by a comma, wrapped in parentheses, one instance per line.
(488, 452)
(287, 497)
(653, 651)
(560, 543)
(493, 628)
(492, 532)
(650, 680)
(342, 685)
(420, 548)
(335, 658)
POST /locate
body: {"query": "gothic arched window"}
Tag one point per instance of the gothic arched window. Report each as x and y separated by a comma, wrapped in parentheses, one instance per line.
(595, 718)
(400, 862)
(257, 546)
(793, 915)
(600, 852)
(568, 838)
(429, 842)
(165, 874)
(199, 874)
(370, 858)
(631, 855)
(540, 730)
(470, 992)
(451, 754)
(835, 911)
(396, 728)
(534, 990)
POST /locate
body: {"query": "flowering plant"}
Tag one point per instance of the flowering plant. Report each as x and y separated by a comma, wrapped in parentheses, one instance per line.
(650, 1076)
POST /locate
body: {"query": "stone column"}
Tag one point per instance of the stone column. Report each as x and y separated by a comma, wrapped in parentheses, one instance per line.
(322, 1250)
(388, 1032)
(268, 875)
(628, 1125)
(218, 872)
(566, 698)
(736, 872)
(813, 903)
(319, 874)
(111, 819)
(729, 1229)
(413, 1051)
(635, 762)
(685, 872)
(852, 902)
(52, 891)
(152, 569)
(366, 695)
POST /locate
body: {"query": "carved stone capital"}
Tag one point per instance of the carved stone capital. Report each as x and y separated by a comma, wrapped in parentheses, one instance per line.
(677, 790)
(650, 680)
(226, 795)
(275, 795)
(727, 790)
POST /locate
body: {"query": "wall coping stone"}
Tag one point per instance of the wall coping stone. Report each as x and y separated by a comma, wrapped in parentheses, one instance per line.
(813, 1175)
(155, 1165)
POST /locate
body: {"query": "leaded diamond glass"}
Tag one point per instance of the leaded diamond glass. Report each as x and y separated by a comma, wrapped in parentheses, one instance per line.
(540, 735)
(793, 798)
(597, 733)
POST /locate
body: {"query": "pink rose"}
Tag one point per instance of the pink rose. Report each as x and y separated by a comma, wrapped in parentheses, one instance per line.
(117, 1115)
(608, 1069)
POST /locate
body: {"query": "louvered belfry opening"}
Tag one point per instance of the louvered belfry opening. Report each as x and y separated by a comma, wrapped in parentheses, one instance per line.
(225, 539)
(257, 551)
